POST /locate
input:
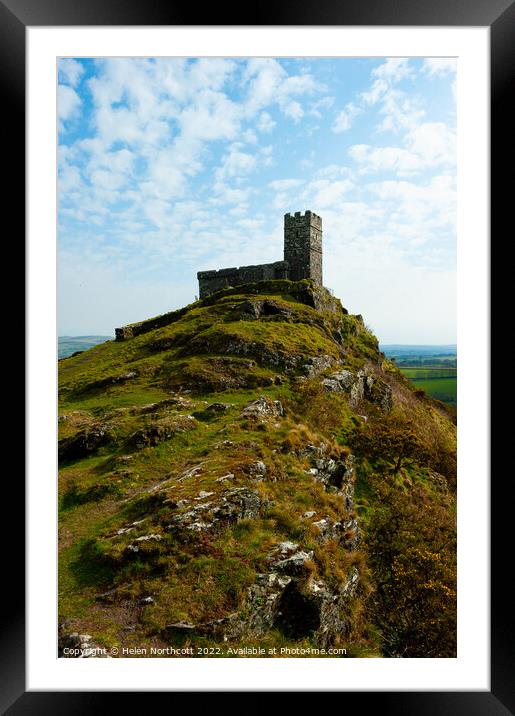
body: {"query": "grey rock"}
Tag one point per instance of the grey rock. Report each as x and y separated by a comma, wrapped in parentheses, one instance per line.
(263, 407)
(257, 470)
(361, 386)
(225, 478)
(153, 434)
(219, 407)
(289, 559)
(286, 548)
(315, 365)
(203, 494)
(181, 626)
(299, 606)
(295, 565)
(345, 532)
(147, 538)
(189, 473)
(79, 646)
(83, 443)
(230, 506)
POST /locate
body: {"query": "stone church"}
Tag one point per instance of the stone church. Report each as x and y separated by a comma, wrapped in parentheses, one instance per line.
(302, 258)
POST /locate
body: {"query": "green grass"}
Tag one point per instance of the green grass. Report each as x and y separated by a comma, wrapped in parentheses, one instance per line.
(444, 389)
(437, 381)
(429, 373)
(208, 353)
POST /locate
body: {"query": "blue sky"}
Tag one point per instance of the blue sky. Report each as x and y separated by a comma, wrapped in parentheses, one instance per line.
(168, 166)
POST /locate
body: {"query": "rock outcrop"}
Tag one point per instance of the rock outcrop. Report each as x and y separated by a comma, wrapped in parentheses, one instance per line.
(360, 386)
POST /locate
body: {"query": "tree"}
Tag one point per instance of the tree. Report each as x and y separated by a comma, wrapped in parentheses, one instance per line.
(389, 440)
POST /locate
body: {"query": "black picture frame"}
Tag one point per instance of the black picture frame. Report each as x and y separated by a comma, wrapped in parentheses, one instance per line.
(499, 16)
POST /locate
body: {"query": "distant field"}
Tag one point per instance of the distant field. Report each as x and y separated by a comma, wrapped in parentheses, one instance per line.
(443, 389)
(430, 368)
(428, 373)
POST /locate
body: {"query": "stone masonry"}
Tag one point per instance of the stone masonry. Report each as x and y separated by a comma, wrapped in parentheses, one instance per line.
(302, 258)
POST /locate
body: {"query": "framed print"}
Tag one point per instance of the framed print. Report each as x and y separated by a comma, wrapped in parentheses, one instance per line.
(232, 463)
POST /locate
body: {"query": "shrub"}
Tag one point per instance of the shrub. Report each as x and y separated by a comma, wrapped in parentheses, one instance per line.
(410, 544)
(389, 440)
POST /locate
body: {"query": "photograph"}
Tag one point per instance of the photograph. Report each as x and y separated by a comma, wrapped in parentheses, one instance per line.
(257, 357)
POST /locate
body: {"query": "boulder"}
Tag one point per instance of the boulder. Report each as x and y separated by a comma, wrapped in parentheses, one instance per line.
(83, 443)
(153, 434)
(256, 470)
(231, 506)
(317, 364)
(339, 382)
(345, 532)
(360, 386)
(263, 407)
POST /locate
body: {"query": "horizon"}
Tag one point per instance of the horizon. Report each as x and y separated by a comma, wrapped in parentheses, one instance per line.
(169, 166)
(384, 345)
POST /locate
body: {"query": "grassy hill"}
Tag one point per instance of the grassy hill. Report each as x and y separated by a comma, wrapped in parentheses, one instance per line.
(251, 472)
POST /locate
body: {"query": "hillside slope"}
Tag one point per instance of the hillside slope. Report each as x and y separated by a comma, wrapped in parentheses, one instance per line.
(231, 475)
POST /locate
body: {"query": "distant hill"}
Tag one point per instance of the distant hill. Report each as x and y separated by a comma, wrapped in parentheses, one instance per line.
(399, 349)
(68, 345)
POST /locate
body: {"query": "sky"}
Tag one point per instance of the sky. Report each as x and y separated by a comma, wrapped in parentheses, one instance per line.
(168, 166)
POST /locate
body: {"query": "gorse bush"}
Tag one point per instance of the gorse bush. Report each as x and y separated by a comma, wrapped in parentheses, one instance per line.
(411, 549)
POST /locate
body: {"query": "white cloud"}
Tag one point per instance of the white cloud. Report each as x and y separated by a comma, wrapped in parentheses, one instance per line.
(429, 145)
(265, 122)
(422, 209)
(394, 69)
(391, 72)
(269, 84)
(380, 159)
(107, 179)
(70, 71)
(399, 110)
(284, 184)
(212, 116)
(225, 194)
(69, 179)
(439, 65)
(159, 212)
(293, 110)
(236, 163)
(334, 171)
(344, 119)
(68, 104)
(249, 137)
(316, 108)
(323, 193)
(434, 142)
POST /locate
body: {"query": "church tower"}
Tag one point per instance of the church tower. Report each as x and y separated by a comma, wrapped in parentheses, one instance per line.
(303, 246)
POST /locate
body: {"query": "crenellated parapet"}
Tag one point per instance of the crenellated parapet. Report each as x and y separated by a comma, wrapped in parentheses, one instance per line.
(211, 281)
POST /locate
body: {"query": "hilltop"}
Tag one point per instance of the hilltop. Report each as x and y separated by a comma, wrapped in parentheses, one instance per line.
(251, 471)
